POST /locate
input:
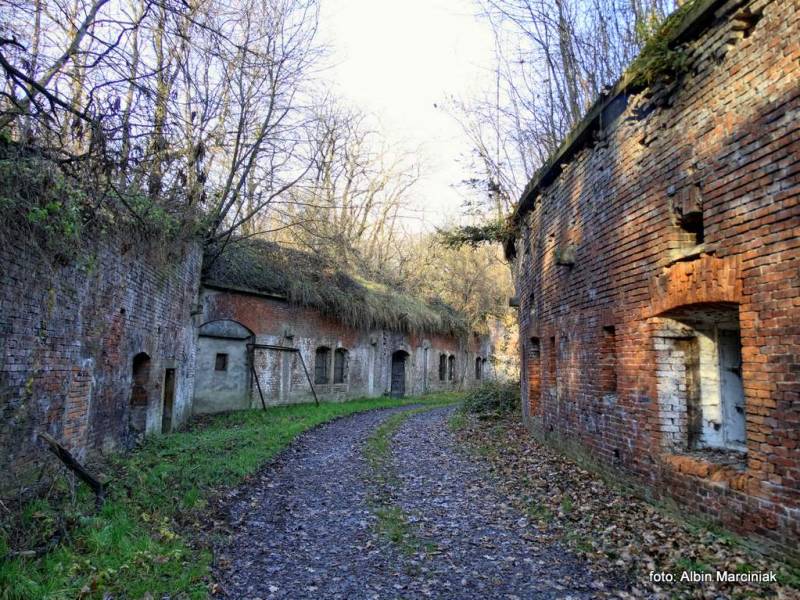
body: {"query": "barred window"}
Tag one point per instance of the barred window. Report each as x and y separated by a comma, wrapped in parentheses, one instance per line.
(321, 360)
(339, 365)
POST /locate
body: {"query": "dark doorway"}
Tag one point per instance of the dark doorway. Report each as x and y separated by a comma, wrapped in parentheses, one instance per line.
(139, 393)
(399, 373)
(169, 400)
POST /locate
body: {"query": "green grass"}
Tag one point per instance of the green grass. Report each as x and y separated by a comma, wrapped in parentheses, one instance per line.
(457, 421)
(540, 513)
(137, 543)
(393, 524)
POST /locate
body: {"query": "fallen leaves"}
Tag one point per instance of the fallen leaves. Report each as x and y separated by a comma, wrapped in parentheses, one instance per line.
(613, 529)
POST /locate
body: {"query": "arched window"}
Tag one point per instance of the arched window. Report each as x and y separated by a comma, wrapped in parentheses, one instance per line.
(442, 367)
(339, 365)
(321, 360)
(478, 368)
(451, 368)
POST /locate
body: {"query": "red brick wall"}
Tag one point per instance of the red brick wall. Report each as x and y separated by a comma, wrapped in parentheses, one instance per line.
(728, 134)
(369, 351)
(68, 335)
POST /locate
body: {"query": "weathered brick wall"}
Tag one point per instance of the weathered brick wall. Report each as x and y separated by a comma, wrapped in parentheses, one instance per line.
(724, 138)
(69, 337)
(273, 321)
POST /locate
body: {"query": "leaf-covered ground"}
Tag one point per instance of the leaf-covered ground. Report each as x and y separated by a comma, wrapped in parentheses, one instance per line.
(609, 526)
(384, 505)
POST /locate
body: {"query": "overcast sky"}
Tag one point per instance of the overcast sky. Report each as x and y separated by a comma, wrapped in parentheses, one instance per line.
(396, 60)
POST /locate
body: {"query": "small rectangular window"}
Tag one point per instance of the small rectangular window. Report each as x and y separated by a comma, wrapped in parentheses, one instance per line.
(221, 362)
(551, 362)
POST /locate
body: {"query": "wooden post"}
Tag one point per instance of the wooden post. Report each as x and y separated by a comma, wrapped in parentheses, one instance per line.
(73, 465)
(258, 383)
(313, 391)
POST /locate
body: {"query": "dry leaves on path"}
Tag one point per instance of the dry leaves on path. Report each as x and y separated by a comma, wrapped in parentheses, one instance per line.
(616, 531)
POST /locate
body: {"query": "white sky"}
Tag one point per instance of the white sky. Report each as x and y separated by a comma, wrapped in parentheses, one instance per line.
(395, 59)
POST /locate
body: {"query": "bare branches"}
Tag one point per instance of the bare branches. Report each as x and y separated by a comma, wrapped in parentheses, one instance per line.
(349, 204)
(40, 85)
(553, 58)
(195, 109)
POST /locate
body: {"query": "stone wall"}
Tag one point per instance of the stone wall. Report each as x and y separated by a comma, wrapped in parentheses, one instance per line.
(70, 337)
(682, 205)
(281, 377)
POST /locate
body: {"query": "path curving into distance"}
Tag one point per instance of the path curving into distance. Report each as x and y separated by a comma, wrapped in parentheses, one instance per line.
(309, 527)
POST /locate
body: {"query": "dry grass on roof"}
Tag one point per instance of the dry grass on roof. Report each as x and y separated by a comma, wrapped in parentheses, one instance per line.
(307, 280)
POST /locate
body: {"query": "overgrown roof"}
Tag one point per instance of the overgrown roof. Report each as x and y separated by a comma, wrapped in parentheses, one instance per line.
(686, 23)
(307, 280)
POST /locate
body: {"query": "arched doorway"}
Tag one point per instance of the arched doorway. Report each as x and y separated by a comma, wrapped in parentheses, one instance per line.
(139, 394)
(398, 384)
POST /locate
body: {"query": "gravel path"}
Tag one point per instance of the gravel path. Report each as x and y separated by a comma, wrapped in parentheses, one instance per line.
(304, 528)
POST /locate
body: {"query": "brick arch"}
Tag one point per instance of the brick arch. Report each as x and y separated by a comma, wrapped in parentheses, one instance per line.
(707, 280)
(226, 328)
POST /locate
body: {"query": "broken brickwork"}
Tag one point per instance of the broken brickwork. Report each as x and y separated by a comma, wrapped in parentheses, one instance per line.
(85, 349)
(657, 261)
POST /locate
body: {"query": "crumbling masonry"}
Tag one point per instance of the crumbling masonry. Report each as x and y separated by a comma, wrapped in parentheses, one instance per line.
(657, 266)
(96, 352)
(119, 343)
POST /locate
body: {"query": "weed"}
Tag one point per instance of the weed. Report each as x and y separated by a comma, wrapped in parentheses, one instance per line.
(540, 513)
(457, 421)
(658, 60)
(393, 524)
(134, 545)
(493, 397)
(691, 565)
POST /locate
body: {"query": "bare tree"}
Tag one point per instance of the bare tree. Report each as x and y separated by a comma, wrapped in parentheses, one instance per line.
(350, 205)
(189, 111)
(553, 58)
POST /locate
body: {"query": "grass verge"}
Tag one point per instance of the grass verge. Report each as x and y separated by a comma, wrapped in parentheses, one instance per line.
(392, 521)
(139, 542)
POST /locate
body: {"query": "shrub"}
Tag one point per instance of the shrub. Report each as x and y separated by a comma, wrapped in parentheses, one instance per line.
(493, 397)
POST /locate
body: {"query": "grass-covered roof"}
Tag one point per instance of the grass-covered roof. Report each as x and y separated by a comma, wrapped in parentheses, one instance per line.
(307, 280)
